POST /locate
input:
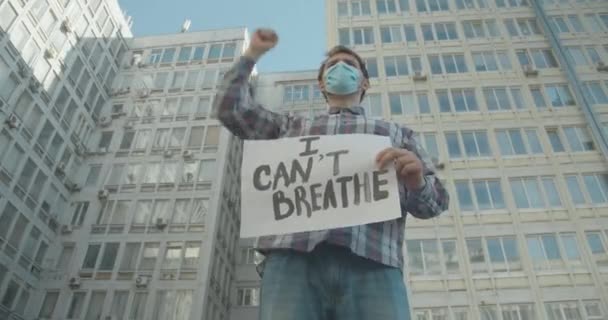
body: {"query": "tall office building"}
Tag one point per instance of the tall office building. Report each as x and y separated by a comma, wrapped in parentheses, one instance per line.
(110, 193)
(509, 97)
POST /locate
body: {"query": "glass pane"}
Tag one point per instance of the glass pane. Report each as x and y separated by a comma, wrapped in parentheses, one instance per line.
(464, 195)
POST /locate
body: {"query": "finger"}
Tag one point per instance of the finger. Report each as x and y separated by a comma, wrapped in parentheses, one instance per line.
(381, 153)
(404, 160)
(408, 169)
(389, 157)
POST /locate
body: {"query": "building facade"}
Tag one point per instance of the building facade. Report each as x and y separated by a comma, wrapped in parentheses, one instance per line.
(509, 97)
(110, 193)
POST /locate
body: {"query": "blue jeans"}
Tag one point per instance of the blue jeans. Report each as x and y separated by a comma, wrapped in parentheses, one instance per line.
(330, 283)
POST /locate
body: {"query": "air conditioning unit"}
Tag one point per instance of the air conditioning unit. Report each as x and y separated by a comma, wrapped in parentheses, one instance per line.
(66, 26)
(111, 318)
(74, 282)
(80, 150)
(189, 178)
(419, 76)
(439, 165)
(12, 121)
(104, 121)
(61, 168)
(50, 53)
(161, 223)
(144, 93)
(128, 125)
(149, 112)
(601, 67)
(168, 154)
(23, 70)
(142, 281)
(34, 85)
(66, 229)
(71, 186)
(136, 60)
(187, 154)
(103, 194)
(530, 71)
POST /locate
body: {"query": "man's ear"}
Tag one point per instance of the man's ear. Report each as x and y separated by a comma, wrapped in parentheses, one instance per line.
(322, 86)
(365, 84)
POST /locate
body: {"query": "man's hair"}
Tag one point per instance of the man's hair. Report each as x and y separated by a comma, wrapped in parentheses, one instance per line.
(342, 49)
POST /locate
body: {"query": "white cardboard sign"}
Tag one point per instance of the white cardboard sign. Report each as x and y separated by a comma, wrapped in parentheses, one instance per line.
(312, 183)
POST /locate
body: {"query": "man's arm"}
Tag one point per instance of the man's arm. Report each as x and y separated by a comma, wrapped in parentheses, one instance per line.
(432, 198)
(233, 104)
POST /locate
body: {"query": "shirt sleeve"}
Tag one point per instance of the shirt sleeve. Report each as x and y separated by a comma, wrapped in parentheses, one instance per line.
(237, 111)
(432, 199)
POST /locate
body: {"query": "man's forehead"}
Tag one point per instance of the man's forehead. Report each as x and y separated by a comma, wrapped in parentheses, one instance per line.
(342, 56)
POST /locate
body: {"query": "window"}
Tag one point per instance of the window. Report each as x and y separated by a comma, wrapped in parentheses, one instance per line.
(410, 33)
(541, 58)
(475, 144)
(517, 311)
(564, 310)
(247, 297)
(184, 54)
(408, 103)
(386, 7)
(207, 170)
(173, 305)
(90, 258)
(149, 255)
(598, 247)
(491, 61)
(76, 305)
(196, 137)
(129, 258)
(80, 212)
(555, 140)
(212, 138)
(48, 305)
(560, 24)
(424, 257)
(549, 251)
(578, 139)
(595, 92)
(594, 23)
(173, 255)
(191, 79)
(511, 3)
(95, 305)
(488, 195)
(360, 7)
(597, 187)
(471, 4)
(447, 63)
(372, 70)
(439, 31)
(396, 66)
(432, 5)
(178, 80)
(518, 142)
(119, 304)
(138, 306)
(168, 55)
(576, 24)
(480, 29)
(429, 141)
(502, 254)
(199, 52)
(391, 34)
(535, 192)
(559, 95)
(215, 51)
(458, 100)
(160, 80)
(360, 36)
(503, 98)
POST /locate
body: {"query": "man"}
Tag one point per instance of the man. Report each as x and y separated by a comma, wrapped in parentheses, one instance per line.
(338, 274)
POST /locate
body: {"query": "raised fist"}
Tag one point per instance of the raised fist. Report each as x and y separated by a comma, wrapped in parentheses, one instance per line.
(262, 40)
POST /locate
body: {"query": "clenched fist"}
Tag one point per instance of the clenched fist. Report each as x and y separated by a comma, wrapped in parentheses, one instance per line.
(407, 164)
(262, 40)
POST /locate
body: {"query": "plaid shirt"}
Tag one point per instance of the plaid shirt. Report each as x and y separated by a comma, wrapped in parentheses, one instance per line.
(381, 242)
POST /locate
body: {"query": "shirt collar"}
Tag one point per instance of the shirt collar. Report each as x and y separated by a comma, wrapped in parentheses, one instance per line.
(355, 110)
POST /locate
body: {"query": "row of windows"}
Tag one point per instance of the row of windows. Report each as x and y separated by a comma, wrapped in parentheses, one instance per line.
(471, 29)
(386, 7)
(178, 260)
(471, 144)
(500, 254)
(138, 141)
(563, 310)
(166, 172)
(169, 109)
(21, 240)
(176, 81)
(121, 304)
(217, 52)
(532, 192)
(458, 62)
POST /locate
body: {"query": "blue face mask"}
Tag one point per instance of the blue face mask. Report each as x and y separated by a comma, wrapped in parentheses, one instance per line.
(342, 79)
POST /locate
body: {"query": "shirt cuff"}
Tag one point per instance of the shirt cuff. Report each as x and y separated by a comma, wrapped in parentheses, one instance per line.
(419, 195)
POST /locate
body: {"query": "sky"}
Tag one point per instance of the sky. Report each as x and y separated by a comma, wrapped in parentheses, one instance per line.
(300, 24)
